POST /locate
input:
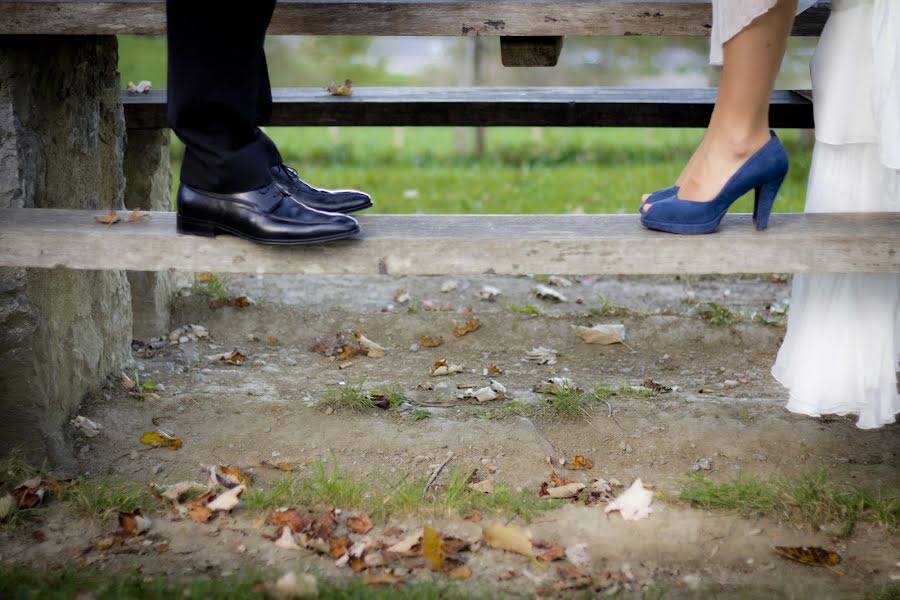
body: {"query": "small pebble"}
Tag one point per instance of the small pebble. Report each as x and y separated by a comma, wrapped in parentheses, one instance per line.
(134, 455)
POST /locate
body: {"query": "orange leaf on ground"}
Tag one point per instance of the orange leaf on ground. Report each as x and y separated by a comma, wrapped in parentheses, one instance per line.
(432, 548)
(467, 327)
(431, 342)
(385, 577)
(157, 438)
(133, 523)
(460, 572)
(360, 524)
(580, 463)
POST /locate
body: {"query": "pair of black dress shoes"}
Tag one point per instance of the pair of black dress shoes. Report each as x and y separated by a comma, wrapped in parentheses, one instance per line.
(286, 212)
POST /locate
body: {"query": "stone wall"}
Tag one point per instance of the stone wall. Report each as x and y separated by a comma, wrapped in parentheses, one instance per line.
(61, 145)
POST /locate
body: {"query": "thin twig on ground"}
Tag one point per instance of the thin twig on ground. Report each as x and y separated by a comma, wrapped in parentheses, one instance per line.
(434, 475)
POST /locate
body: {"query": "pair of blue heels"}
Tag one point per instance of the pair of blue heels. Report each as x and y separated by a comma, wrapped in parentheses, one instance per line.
(764, 172)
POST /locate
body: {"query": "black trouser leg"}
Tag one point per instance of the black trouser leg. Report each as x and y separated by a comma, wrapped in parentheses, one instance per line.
(219, 92)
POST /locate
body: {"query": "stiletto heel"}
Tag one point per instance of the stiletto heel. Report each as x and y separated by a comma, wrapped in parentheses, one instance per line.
(187, 226)
(765, 200)
(764, 172)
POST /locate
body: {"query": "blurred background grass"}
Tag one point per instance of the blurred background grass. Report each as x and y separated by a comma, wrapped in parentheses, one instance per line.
(515, 170)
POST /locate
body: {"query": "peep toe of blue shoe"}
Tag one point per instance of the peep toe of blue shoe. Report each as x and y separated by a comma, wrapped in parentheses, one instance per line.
(764, 172)
(660, 195)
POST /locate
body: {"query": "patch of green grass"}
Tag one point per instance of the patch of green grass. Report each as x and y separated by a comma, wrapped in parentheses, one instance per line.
(716, 314)
(105, 497)
(328, 487)
(603, 391)
(891, 593)
(394, 396)
(212, 285)
(614, 310)
(420, 414)
(628, 391)
(24, 584)
(812, 500)
(569, 402)
(527, 309)
(353, 397)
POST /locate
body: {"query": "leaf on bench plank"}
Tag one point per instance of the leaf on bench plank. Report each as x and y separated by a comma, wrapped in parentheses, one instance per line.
(136, 215)
(340, 90)
(142, 87)
(108, 219)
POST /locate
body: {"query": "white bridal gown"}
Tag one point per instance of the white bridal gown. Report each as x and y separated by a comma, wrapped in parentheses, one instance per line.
(840, 354)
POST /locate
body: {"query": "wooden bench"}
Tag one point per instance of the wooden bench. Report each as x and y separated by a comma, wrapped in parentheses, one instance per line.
(459, 244)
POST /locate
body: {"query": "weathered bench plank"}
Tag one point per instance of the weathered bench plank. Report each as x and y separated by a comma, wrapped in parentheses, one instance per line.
(437, 244)
(484, 107)
(398, 17)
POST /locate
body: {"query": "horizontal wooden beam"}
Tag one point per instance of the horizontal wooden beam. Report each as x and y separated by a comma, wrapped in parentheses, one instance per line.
(485, 107)
(398, 17)
(471, 244)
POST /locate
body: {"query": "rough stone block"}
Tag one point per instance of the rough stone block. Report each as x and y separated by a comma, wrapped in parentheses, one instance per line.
(148, 182)
(61, 145)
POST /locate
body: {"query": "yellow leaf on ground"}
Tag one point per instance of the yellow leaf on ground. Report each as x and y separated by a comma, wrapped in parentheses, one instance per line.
(811, 555)
(433, 548)
(431, 342)
(509, 537)
(579, 463)
(157, 438)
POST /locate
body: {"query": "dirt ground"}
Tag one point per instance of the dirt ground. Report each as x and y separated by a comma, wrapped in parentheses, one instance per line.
(725, 407)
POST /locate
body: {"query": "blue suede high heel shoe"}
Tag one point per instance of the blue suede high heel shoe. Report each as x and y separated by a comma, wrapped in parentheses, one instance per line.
(660, 195)
(764, 171)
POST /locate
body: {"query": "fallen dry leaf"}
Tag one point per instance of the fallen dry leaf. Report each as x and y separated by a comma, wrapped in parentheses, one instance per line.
(548, 552)
(485, 486)
(491, 370)
(158, 438)
(511, 538)
(810, 555)
(234, 357)
(402, 296)
(137, 216)
(634, 503)
(558, 281)
(372, 349)
(291, 518)
(234, 302)
(542, 356)
(460, 572)
(200, 514)
(559, 487)
(360, 524)
(383, 578)
(407, 544)
(231, 476)
(546, 293)
(133, 523)
(467, 327)
(579, 463)
(556, 386)
(601, 334)
(87, 427)
(205, 277)
(227, 501)
(109, 218)
(340, 90)
(432, 548)
(141, 87)
(286, 540)
(428, 341)
(282, 466)
(443, 367)
(656, 387)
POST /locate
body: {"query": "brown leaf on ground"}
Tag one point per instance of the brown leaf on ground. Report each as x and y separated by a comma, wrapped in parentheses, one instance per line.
(601, 334)
(282, 466)
(235, 302)
(560, 487)
(205, 277)
(109, 218)
(474, 518)
(402, 296)
(338, 546)
(511, 538)
(579, 463)
(810, 555)
(200, 514)
(656, 387)
(467, 327)
(291, 518)
(428, 341)
(383, 578)
(233, 358)
(548, 552)
(137, 216)
(492, 370)
(443, 367)
(360, 524)
(158, 438)
(133, 523)
(407, 545)
(231, 476)
(340, 90)
(371, 349)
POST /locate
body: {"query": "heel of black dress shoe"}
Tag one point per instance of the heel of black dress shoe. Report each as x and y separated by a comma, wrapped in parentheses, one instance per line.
(188, 226)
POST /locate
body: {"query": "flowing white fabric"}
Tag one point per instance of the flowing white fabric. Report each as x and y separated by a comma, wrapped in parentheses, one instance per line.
(731, 16)
(840, 354)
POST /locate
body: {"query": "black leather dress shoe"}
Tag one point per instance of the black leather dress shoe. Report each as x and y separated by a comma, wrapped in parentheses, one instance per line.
(343, 201)
(269, 215)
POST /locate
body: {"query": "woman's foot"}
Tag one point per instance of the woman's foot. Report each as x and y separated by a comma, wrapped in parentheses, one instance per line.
(713, 164)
